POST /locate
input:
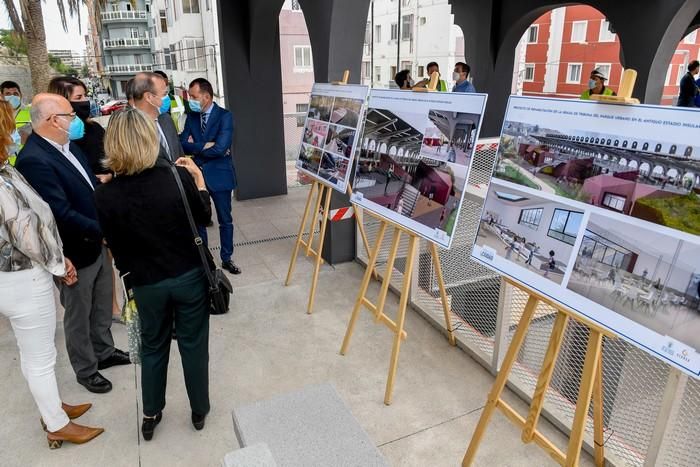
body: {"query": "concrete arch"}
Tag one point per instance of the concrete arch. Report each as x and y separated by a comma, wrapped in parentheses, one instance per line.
(645, 168)
(392, 151)
(633, 164)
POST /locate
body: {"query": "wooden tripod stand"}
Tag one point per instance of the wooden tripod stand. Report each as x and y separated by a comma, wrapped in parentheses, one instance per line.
(591, 385)
(397, 327)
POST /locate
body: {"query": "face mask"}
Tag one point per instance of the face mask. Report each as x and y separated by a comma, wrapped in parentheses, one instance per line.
(82, 109)
(76, 130)
(165, 105)
(456, 75)
(16, 138)
(14, 101)
(195, 105)
(592, 84)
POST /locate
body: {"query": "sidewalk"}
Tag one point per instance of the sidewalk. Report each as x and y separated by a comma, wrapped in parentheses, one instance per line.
(268, 345)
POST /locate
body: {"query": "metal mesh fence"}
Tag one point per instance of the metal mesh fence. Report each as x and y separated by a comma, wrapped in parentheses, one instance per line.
(293, 130)
(485, 314)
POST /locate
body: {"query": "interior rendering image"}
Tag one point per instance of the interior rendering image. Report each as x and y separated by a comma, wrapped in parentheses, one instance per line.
(532, 232)
(640, 273)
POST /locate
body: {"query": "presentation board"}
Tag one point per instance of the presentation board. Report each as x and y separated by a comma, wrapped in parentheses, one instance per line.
(596, 206)
(414, 158)
(331, 133)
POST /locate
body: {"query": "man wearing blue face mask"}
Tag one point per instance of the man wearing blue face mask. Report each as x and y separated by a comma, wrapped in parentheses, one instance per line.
(13, 94)
(149, 92)
(596, 85)
(59, 171)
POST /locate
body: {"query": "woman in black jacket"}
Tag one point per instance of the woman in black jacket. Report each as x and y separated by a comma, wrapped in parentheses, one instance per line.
(143, 218)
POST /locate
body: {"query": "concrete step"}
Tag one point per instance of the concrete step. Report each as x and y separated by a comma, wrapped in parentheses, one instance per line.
(256, 455)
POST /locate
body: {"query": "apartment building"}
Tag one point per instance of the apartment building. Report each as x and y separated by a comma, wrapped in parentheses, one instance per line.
(296, 59)
(126, 46)
(68, 57)
(415, 31)
(185, 43)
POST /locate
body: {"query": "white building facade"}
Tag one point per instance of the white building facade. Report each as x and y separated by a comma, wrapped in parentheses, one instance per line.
(423, 31)
(185, 43)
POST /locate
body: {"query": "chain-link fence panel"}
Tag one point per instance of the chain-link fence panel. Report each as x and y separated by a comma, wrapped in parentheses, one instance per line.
(293, 130)
(681, 443)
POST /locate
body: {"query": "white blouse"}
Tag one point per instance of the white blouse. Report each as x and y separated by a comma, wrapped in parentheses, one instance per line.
(28, 232)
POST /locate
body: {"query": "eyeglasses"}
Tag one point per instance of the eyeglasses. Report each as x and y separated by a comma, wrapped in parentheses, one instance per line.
(71, 115)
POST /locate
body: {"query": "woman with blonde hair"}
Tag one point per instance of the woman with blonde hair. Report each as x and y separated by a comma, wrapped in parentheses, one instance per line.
(31, 255)
(144, 220)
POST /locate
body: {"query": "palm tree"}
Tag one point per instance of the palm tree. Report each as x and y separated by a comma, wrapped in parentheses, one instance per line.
(31, 26)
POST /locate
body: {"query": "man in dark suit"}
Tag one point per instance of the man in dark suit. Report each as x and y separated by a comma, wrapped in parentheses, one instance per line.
(60, 173)
(207, 136)
(688, 89)
(150, 95)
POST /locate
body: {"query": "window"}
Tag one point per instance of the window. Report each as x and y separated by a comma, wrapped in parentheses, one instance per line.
(368, 33)
(134, 33)
(407, 66)
(531, 217)
(605, 68)
(529, 72)
(378, 33)
(578, 31)
(614, 202)
(295, 5)
(605, 35)
(392, 72)
(407, 27)
(166, 59)
(173, 56)
(377, 73)
(366, 70)
(405, 2)
(394, 31)
(201, 54)
(532, 34)
(690, 38)
(163, 21)
(668, 75)
(421, 71)
(573, 73)
(565, 225)
(208, 3)
(302, 58)
(681, 72)
(302, 109)
(190, 6)
(605, 251)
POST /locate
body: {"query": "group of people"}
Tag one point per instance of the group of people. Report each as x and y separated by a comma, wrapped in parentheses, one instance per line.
(79, 195)
(460, 76)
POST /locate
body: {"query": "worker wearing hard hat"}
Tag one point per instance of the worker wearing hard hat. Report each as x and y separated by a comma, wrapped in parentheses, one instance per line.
(596, 85)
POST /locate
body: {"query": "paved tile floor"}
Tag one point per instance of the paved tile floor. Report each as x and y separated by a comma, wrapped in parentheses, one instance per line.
(268, 345)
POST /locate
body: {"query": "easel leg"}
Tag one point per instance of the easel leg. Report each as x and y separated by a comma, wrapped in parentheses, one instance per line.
(300, 236)
(314, 219)
(550, 360)
(588, 376)
(363, 289)
(401, 318)
(443, 293)
(598, 421)
(317, 266)
(396, 239)
(361, 228)
(501, 380)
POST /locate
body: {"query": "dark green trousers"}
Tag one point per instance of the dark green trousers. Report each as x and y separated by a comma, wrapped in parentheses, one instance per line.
(183, 300)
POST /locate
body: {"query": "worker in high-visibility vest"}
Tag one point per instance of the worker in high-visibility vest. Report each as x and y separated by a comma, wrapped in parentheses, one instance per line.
(596, 85)
(177, 108)
(441, 84)
(23, 122)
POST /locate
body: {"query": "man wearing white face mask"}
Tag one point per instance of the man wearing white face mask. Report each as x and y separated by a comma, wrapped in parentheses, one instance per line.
(460, 75)
(58, 170)
(596, 85)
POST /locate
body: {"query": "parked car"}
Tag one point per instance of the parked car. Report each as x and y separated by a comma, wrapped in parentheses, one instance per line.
(112, 106)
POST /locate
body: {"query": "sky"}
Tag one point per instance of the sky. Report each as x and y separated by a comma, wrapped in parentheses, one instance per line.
(56, 37)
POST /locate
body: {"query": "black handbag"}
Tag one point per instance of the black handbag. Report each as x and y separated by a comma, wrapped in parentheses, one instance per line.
(220, 288)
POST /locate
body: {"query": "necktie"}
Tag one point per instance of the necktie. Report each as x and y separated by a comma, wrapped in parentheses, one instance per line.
(204, 122)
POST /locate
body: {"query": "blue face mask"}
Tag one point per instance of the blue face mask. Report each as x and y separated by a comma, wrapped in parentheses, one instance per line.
(16, 138)
(195, 105)
(164, 105)
(14, 101)
(76, 130)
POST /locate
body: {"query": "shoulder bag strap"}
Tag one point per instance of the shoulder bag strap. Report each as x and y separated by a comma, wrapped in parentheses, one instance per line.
(197, 239)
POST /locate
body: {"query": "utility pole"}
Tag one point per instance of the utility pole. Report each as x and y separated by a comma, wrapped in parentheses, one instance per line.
(398, 40)
(371, 48)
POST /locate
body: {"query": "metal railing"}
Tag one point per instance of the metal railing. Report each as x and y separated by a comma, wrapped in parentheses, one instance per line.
(650, 410)
(131, 68)
(127, 43)
(124, 15)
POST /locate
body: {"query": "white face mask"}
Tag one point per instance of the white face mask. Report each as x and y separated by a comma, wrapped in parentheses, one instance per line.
(411, 82)
(456, 76)
(592, 84)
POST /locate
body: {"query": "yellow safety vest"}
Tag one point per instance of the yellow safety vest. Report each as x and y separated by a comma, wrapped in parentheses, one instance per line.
(442, 86)
(586, 95)
(21, 119)
(177, 110)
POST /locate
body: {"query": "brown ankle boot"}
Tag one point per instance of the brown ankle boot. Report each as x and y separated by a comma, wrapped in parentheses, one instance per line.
(73, 433)
(73, 412)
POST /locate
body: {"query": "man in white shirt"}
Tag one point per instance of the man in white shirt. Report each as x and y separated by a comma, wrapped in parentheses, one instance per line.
(59, 172)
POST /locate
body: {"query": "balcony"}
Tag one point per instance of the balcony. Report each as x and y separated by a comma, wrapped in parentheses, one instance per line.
(124, 16)
(129, 69)
(127, 43)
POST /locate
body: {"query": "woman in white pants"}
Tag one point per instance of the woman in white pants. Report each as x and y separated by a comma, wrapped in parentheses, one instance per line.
(30, 255)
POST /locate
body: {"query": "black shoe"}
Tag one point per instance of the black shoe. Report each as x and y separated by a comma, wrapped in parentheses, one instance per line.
(119, 357)
(198, 421)
(148, 426)
(230, 267)
(96, 383)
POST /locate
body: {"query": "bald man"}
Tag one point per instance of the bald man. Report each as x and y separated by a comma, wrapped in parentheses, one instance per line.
(60, 173)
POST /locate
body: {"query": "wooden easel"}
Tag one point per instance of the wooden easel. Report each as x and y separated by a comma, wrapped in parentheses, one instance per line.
(323, 194)
(397, 327)
(591, 385)
(591, 377)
